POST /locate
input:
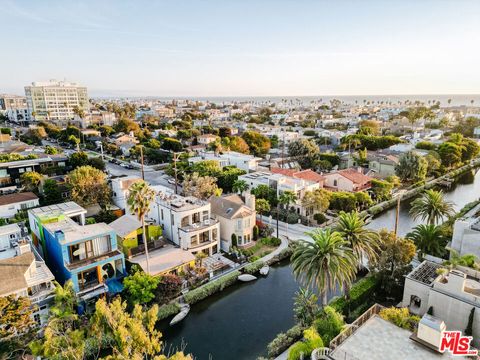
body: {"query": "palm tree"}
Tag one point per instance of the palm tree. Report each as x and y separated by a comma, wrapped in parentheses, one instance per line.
(469, 260)
(428, 239)
(140, 196)
(362, 241)
(239, 186)
(431, 206)
(287, 198)
(325, 263)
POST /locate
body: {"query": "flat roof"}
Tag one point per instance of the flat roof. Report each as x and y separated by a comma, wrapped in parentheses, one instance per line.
(10, 228)
(164, 259)
(378, 339)
(426, 272)
(68, 208)
(74, 232)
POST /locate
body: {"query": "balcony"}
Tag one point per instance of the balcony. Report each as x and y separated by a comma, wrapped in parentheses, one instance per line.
(140, 249)
(88, 261)
(199, 225)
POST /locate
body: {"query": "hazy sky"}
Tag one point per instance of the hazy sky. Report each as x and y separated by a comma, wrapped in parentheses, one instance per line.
(244, 47)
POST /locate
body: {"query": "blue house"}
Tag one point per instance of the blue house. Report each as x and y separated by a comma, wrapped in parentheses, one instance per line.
(87, 255)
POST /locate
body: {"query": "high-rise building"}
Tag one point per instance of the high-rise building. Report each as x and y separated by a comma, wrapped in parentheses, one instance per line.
(12, 102)
(56, 100)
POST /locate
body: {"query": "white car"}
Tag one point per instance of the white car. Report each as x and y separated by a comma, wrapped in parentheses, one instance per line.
(171, 181)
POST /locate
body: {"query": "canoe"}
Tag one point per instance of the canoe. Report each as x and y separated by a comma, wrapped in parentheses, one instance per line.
(264, 270)
(181, 315)
(247, 277)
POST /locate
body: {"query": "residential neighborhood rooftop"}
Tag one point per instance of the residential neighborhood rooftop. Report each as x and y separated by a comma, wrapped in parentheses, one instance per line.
(17, 198)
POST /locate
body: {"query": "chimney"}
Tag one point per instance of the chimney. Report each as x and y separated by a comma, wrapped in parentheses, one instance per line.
(250, 200)
(23, 247)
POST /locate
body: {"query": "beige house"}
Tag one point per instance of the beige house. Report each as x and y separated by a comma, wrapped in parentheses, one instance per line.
(352, 180)
(206, 139)
(235, 217)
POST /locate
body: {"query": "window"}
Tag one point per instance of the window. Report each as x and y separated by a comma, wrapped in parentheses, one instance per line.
(161, 211)
(335, 182)
(88, 278)
(204, 215)
(204, 237)
(239, 224)
(194, 240)
(247, 222)
(196, 218)
(185, 221)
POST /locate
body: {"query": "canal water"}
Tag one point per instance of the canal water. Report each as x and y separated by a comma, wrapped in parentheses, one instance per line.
(239, 322)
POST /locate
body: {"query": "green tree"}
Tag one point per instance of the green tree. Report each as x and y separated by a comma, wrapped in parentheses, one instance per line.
(287, 198)
(227, 178)
(305, 152)
(393, 262)
(330, 323)
(89, 186)
(201, 187)
(239, 186)
(468, 260)
(450, 153)
(140, 287)
(30, 180)
(51, 192)
(428, 239)
(305, 306)
(432, 207)
(325, 263)
(172, 145)
(207, 168)
(262, 206)
(50, 150)
(381, 190)
(15, 316)
(79, 158)
(315, 201)
(267, 193)
(259, 144)
(140, 198)
(411, 167)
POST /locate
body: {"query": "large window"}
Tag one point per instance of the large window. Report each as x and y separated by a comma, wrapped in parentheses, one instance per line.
(88, 278)
(196, 217)
(204, 237)
(81, 251)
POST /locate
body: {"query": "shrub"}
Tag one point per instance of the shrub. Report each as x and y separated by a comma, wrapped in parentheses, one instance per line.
(299, 350)
(284, 340)
(320, 218)
(254, 267)
(255, 232)
(168, 287)
(234, 240)
(167, 310)
(282, 255)
(400, 317)
(360, 293)
(253, 258)
(271, 241)
(211, 288)
(329, 324)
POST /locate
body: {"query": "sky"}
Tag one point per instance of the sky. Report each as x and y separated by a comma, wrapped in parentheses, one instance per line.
(243, 47)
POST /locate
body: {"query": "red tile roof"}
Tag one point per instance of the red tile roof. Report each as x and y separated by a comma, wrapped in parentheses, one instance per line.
(308, 175)
(355, 176)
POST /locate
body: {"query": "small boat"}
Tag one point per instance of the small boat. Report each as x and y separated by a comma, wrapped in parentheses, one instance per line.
(247, 277)
(181, 315)
(264, 270)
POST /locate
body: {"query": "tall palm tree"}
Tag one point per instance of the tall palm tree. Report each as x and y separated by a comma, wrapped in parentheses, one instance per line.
(287, 198)
(140, 196)
(239, 186)
(325, 263)
(428, 239)
(362, 241)
(432, 207)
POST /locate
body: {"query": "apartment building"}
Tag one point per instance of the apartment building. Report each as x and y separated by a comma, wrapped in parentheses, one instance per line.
(12, 102)
(23, 272)
(87, 255)
(451, 296)
(186, 221)
(55, 100)
(236, 217)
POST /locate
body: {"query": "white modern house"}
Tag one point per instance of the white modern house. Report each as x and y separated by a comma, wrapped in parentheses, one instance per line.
(187, 222)
(466, 233)
(236, 217)
(452, 296)
(23, 272)
(248, 163)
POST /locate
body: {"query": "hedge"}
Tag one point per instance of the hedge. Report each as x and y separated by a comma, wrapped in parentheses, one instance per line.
(254, 267)
(284, 340)
(211, 288)
(360, 292)
(167, 310)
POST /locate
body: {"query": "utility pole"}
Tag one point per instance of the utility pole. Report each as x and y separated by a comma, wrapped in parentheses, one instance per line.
(175, 170)
(101, 150)
(141, 160)
(283, 149)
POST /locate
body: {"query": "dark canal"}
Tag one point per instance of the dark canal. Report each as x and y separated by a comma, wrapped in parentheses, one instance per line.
(238, 323)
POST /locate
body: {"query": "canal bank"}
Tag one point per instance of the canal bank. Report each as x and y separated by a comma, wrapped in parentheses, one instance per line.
(240, 321)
